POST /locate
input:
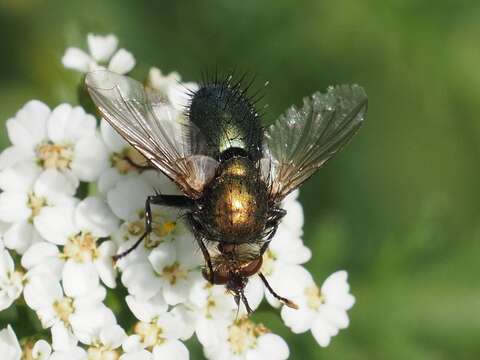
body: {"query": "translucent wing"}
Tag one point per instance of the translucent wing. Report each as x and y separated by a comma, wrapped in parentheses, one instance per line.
(302, 140)
(151, 126)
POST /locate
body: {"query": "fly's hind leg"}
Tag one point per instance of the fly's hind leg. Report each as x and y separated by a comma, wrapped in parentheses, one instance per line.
(177, 201)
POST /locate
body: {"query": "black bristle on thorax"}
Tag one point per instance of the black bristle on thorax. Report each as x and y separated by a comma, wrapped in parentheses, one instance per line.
(223, 109)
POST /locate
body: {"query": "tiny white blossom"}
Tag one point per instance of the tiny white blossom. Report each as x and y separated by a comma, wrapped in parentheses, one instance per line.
(70, 317)
(19, 206)
(106, 345)
(78, 228)
(243, 339)
(176, 92)
(124, 160)
(41, 350)
(158, 331)
(64, 139)
(102, 53)
(321, 310)
(9, 346)
(11, 280)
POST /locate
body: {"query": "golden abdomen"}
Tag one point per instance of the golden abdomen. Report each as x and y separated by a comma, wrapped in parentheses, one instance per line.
(239, 203)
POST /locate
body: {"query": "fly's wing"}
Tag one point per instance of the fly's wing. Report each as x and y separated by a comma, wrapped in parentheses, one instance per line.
(302, 140)
(152, 127)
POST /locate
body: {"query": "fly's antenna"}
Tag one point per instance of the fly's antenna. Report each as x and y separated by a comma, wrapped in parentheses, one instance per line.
(283, 300)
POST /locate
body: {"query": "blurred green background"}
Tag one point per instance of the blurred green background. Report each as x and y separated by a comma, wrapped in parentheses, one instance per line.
(398, 208)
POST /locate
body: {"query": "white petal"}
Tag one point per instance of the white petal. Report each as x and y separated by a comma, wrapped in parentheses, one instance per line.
(55, 186)
(141, 281)
(13, 206)
(87, 322)
(94, 215)
(62, 338)
(76, 59)
(41, 350)
(114, 142)
(146, 310)
(20, 177)
(9, 346)
(28, 128)
(137, 355)
(321, 333)
(90, 158)
(56, 224)
(68, 124)
(102, 47)
(104, 264)
(253, 292)
(269, 346)
(108, 179)
(13, 155)
(41, 292)
(171, 350)
(38, 253)
(79, 278)
(127, 198)
(20, 236)
(122, 62)
(112, 336)
(163, 255)
(299, 321)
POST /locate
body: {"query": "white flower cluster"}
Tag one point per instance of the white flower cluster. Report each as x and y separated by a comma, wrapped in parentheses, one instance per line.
(73, 195)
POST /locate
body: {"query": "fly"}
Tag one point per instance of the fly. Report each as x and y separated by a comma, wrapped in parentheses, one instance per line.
(232, 172)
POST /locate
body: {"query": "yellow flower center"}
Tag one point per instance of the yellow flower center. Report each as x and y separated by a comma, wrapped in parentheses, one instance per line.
(164, 229)
(64, 308)
(314, 297)
(269, 258)
(35, 203)
(55, 156)
(81, 247)
(127, 160)
(100, 352)
(174, 272)
(243, 335)
(150, 333)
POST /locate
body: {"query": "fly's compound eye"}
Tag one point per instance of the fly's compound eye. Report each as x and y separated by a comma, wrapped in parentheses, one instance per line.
(219, 277)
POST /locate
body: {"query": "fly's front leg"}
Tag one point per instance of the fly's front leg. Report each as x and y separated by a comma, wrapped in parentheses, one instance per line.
(178, 201)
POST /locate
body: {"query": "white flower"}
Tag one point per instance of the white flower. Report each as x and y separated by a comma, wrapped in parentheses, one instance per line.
(102, 53)
(177, 267)
(124, 160)
(41, 350)
(64, 139)
(106, 345)
(9, 346)
(11, 281)
(159, 331)
(79, 228)
(243, 339)
(20, 205)
(324, 310)
(177, 93)
(70, 317)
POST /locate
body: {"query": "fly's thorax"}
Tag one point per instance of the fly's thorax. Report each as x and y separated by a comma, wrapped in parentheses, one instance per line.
(224, 114)
(237, 203)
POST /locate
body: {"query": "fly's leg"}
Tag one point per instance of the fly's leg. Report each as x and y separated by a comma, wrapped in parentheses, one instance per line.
(208, 260)
(166, 200)
(196, 228)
